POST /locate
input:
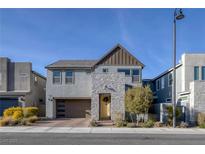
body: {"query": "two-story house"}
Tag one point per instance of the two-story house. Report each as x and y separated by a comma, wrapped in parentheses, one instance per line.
(190, 87)
(21, 86)
(75, 87)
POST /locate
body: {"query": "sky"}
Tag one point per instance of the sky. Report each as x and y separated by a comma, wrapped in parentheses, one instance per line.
(43, 36)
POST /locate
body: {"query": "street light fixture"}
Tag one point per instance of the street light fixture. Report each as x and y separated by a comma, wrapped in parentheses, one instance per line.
(178, 15)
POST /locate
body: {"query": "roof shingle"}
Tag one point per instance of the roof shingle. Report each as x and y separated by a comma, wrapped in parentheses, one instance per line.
(72, 64)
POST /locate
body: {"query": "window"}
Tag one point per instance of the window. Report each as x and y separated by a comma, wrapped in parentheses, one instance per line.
(168, 100)
(126, 71)
(184, 98)
(69, 77)
(162, 83)
(158, 84)
(57, 77)
(135, 75)
(196, 72)
(170, 79)
(105, 70)
(203, 72)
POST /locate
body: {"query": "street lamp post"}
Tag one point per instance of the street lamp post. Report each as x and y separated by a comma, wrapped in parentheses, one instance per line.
(178, 15)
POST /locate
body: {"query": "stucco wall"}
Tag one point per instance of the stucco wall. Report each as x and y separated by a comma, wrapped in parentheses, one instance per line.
(189, 61)
(22, 83)
(80, 88)
(100, 84)
(3, 73)
(197, 98)
(38, 93)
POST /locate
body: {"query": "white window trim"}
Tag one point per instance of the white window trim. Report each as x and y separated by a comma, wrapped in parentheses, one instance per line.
(73, 77)
(57, 77)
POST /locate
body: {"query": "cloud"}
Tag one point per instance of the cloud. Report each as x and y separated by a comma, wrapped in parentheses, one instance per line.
(123, 29)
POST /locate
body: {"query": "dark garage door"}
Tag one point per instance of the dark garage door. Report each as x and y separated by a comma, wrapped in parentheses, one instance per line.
(72, 108)
(7, 103)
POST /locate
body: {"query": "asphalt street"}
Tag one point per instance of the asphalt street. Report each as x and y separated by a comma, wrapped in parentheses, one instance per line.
(100, 139)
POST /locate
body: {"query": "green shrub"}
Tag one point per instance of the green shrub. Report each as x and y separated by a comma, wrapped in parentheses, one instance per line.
(3, 122)
(30, 111)
(202, 126)
(148, 124)
(131, 125)
(10, 111)
(200, 118)
(17, 116)
(158, 124)
(32, 119)
(25, 122)
(8, 121)
(93, 123)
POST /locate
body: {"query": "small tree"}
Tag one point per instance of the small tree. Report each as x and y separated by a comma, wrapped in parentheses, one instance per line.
(138, 101)
(148, 99)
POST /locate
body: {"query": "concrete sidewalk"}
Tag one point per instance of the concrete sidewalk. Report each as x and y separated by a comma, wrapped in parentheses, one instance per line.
(102, 130)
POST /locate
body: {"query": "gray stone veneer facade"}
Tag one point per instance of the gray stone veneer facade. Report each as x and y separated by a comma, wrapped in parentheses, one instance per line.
(113, 83)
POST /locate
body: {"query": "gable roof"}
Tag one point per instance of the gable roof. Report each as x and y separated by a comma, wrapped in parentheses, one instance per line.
(72, 64)
(166, 72)
(113, 50)
(88, 64)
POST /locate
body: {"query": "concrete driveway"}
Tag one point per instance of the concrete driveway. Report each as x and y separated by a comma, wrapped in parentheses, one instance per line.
(72, 122)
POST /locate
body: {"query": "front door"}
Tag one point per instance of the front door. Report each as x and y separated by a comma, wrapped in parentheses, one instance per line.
(105, 104)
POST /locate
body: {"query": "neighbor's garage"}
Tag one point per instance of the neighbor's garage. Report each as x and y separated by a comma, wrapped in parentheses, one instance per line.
(6, 103)
(73, 108)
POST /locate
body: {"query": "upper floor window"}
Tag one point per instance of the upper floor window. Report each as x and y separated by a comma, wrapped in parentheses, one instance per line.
(203, 72)
(105, 70)
(168, 100)
(57, 77)
(69, 77)
(162, 83)
(126, 71)
(196, 72)
(158, 84)
(170, 79)
(136, 75)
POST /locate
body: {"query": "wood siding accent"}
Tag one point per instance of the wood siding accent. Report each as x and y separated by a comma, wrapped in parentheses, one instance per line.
(119, 57)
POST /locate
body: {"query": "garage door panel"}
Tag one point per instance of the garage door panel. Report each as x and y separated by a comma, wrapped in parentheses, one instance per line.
(73, 108)
(7, 103)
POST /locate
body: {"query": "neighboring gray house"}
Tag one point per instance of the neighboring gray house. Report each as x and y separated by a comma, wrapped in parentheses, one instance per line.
(77, 87)
(190, 87)
(21, 86)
